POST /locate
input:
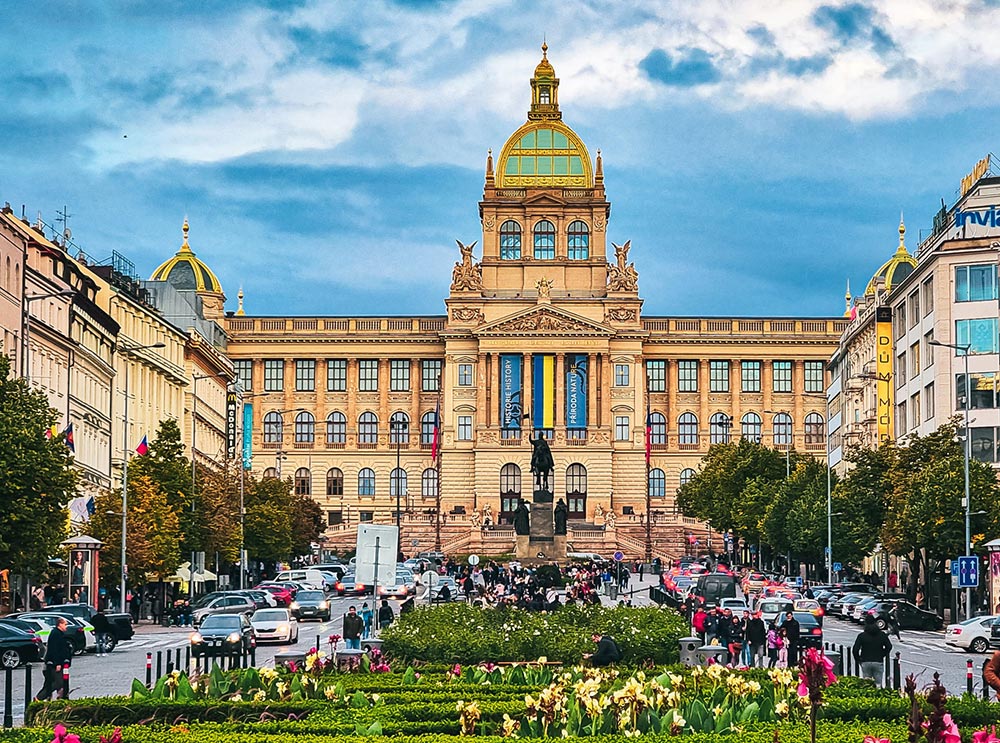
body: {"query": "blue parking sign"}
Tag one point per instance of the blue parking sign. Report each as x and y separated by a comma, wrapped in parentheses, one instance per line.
(968, 571)
(837, 567)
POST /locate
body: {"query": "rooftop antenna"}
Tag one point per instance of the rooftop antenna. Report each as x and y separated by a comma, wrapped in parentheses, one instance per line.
(63, 216)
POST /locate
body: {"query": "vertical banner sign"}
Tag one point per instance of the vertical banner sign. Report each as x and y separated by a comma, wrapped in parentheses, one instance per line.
(883, 373)
(247, 435)
(510, 391)
(543, 391)
(576, 390)
(232, 400)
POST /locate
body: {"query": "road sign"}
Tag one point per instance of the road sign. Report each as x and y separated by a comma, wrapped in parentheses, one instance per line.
(968, 571)
(473, 560)
(798, 580)
(619, 556)
(954, 568)
(837, 567)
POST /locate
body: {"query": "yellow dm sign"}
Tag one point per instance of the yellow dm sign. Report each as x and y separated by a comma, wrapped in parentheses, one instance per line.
(977, 172)
(883, 373)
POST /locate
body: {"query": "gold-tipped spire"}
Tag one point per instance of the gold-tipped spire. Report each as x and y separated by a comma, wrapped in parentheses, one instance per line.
(239, 299)
(847, 300)
(544, 90)
(599, 169)
(489, 163)
(185, 248)
(901, 250)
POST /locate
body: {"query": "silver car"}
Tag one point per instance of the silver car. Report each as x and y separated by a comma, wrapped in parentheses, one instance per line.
(226, 604)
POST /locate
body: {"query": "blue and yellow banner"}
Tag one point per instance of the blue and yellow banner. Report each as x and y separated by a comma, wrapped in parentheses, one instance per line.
(576, 390)
(247, 435)
(510, 391)
(543, 391)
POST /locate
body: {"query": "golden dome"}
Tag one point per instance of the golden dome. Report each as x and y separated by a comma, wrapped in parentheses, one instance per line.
(544, 68)
(896, 268)
(185, 271)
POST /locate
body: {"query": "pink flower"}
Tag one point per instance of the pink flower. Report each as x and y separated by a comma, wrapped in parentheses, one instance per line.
(61, 736)
(986, 736)
(873, 739)
(803, 690)
(950, 733)
(457, 670)
(333, 639)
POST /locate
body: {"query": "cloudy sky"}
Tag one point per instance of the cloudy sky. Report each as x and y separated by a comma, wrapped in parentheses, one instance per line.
(328, 152)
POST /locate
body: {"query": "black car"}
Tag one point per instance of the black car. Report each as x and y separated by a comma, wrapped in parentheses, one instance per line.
(810, 629)
(223, 635)
(311, 605)
(908, 615)
(18, 646)
(75, 631)
(121, 624)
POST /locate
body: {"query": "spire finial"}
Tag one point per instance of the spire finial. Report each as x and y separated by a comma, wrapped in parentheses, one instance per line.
(902, 235)
(847, 300)
(489, 162)
(184, 228)
(239, 308)
(545, 48)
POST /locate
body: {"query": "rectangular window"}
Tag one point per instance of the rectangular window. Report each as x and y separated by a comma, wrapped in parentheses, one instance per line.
(274, 375)
(656, 376)
(983, 444)
(305, 375)
(399, 375)
(979, 335)
(430, 371)
(465, 375)
(782, 376)
(915, 409)
(901, 370)
(899, 320)
(718, 376)
(687, 376)
(901, 418)
(984, 390)
(622, 428)
(750, 376)
(368, 375)
(333, 518)
(976, 283)
(465, 428)
(621, 375)
(244, 373)
(927, 352)
(929, 402)
(814, 376)
(336, 375)
(366, 516)
(914, 360)
(928, 293)
(913, 307)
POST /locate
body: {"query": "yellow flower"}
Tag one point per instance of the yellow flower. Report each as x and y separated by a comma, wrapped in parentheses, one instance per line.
(509, 726)
(781, 708)
(330, 692)
(260, 695)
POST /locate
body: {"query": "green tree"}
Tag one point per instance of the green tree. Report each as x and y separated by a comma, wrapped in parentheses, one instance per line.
(166, 465)
(307, 524)
(37, 476)
(268, 531)
(219, 502)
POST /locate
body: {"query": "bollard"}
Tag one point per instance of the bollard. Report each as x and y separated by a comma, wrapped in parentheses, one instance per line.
(65, 681)
(253, 655)
(159, 664)
(318, 646)
(149, 670)
(897, 673)
(8, 700)
(986, 687)
(27, 687)
(187, 658)
(968, 678)
(843, 660)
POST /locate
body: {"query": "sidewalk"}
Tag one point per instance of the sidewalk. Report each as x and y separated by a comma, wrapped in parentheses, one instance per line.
(148, 628)
(638, 591)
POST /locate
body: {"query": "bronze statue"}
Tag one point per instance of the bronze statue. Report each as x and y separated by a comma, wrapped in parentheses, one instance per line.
(521, 525)
(560, 516)
(541, 462)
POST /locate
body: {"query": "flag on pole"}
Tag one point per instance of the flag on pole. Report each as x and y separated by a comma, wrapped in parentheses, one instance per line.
(51, 431)
(143, 448)
(68, 434)
(436, 440)
(649, 432)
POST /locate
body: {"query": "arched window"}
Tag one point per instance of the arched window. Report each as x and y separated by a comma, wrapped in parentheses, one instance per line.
(366, 482)
(815, 430)
(305, 428)
(657, 483)
(576, 491)
(367, 429)
(272, 428)
(510, 240)
(578, 241)
(6, 275)
(718, 428)
(510, 491)
(687, 475)
(657, 429)
(782, 429)
(336, 428)
(270, 472)
(545, 240)
(399, 428)
(687, 429)
(429, 483)
(397, 482)
(334, 482)
(750, 427)
(427, 428)
(303, 481)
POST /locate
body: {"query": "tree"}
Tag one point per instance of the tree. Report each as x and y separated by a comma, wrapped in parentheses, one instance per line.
(166, 465)
(219, 502)
(268, 530)
(37, 476)
(307, 524)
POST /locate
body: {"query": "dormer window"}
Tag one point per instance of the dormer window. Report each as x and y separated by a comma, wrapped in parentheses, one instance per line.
(544, 95)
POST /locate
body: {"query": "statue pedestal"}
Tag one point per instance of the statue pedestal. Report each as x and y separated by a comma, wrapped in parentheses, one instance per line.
(542, 496)
(541, 545)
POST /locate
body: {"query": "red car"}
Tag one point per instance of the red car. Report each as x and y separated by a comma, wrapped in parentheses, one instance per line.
(281, 594)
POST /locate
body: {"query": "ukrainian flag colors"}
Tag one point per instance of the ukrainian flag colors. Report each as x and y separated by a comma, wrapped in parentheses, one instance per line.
(543, 399)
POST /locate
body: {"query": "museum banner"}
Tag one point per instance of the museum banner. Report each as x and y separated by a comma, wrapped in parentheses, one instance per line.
(543, 391)
(247, 435)
(510, 391)
(576, 390)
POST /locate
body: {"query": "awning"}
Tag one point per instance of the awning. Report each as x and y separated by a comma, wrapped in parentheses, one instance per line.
(183, 575)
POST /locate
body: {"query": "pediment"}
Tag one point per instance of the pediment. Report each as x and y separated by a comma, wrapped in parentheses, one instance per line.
(545, 320)
(544, 199)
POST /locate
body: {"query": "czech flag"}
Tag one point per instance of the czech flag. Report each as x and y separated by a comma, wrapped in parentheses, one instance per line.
(68, 438)
(143, 448)
(436, 441)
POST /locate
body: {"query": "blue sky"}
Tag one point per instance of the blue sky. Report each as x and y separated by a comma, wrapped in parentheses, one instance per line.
(328, 154)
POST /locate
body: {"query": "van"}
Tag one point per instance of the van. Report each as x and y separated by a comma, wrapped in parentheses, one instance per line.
(307, 576)
(713, 587)
(584, 557)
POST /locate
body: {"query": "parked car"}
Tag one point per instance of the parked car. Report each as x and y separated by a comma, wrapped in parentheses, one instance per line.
(18, 646)
(908, 615)
(310, 577)
(40, 629)
(404, 586)
(861, 609)
(291, 586)
(121, 623)
(260, 599)
(223, 634)
(838, 606)
(79, 631)
(338, 568)
(972, 635)
(276, 625)
(225, 604)
(282, 595)
(810, 629)
(311, 605)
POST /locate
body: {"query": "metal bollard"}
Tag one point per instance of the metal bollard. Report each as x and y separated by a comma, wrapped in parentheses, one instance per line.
(177, 663)
(27, 687)
(318, 646)
(187, 658)
(897, 673)
(968, 678)
(159, 664)
(253, 656)
(843, 660)
(8, 700)
(149, 670)
(887, 678)
(986, 687)
(65, 681)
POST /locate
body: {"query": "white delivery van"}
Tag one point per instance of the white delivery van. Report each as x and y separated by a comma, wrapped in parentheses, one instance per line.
(307, 576)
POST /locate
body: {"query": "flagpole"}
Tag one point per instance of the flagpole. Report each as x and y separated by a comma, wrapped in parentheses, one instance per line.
(649, 503)
(437, 463)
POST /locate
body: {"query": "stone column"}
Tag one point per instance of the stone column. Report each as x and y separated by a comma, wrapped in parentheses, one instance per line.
(482, 376)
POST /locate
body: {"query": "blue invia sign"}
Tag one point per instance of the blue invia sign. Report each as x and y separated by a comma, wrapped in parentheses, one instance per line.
(988, 217)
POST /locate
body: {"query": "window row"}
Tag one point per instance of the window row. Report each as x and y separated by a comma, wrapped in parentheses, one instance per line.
(543, 240)
(658, 481)
(719, 376)
(303, 481)
(336, 375)
(751, 426)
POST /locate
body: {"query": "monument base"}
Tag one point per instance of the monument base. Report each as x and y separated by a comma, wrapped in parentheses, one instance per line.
(540, 550)
(541, 495)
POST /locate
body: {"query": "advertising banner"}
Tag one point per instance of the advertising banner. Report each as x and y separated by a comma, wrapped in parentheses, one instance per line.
(576, 390)
(543, 391)
(510, 391)
(883, 373)
(247, 435)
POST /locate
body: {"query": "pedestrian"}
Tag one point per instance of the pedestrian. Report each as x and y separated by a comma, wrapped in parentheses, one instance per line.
(756, 637)
(354, 625)
(773, 645)
(698, 621)
(607, 651)
(991, 673)
(871, 648)
(893, 621)
(385, 615)
(58, 654)
(735, 644)
(893, 580)
(792, 632)
(367, 616)
(103, 633)
(783, 647)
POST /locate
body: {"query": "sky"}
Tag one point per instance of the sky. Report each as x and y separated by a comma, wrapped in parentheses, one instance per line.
(328, 153)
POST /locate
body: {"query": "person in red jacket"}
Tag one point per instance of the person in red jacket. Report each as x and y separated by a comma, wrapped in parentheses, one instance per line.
(698, 621)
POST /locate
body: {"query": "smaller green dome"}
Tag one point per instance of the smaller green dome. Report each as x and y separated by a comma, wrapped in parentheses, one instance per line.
(185, 271)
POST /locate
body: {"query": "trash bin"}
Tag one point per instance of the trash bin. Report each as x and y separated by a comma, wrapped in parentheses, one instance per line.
(612, 591)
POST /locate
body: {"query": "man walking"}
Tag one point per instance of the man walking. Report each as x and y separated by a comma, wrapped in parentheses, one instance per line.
(792, 632)
(58, 654)
(756, 636)
(354, 625)
(871, 648)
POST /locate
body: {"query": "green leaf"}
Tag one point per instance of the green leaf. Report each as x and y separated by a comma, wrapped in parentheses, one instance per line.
(139, 690)
(359, 700)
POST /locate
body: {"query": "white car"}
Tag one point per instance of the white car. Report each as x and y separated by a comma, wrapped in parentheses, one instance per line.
(737, 606)
(275, 625)
(972, 635)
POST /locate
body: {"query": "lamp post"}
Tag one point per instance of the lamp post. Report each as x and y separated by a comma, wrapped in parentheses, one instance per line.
(126, 450)
(398, 428)
(243, 467)
(26, 351)
(968, 449)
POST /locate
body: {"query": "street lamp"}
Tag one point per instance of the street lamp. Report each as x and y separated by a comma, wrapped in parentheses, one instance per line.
(126, 450)
(398, 427)
(968, 449)
(26, 351)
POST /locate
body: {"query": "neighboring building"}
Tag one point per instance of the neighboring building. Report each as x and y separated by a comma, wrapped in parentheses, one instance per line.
(13, 252)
